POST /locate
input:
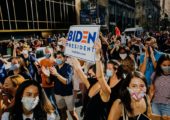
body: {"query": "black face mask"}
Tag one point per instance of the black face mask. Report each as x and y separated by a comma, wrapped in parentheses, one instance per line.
(92, 80)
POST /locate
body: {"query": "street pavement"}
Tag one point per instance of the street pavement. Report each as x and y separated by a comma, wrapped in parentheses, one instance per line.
(78, 105)
(78, 110)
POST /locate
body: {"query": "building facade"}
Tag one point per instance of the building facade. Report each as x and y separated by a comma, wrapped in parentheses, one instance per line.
(36, 15)
(94, 12)
(148, 14)
(108, 13)
(122, 13)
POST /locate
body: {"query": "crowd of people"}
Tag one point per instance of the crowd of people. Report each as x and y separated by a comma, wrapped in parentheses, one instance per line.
(129, 80)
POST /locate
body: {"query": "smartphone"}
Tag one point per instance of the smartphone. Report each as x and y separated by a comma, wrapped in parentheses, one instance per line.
(149, 52)
(143, 117)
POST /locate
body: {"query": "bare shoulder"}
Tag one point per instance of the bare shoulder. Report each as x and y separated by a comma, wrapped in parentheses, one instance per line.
(117, 104)
(118, 101)
(116, 110)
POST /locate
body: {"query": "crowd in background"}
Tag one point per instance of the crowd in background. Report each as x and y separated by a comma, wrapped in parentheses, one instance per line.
(129, 81)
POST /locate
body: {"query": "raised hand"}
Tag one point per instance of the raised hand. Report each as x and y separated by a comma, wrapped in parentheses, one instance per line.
(45, 71)
(151, 51)
(75, 63)
(97, 46)
(53, 71)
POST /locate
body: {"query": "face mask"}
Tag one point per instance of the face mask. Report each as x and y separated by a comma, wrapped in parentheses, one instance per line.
(14, 66)
(30, 103)
(123, 56)
(136, 95)
(48, 55)
(58, 61)
(166, 69)
(109, 73)
(92, 81)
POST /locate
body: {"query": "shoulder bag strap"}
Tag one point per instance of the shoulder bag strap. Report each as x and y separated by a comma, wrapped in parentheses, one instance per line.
(125, 117)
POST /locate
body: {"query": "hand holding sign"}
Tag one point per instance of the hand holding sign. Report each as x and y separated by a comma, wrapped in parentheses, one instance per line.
(80, 42)
(97, 46)
(75, 63)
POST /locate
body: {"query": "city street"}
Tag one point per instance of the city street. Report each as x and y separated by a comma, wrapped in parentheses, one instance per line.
(111, 56)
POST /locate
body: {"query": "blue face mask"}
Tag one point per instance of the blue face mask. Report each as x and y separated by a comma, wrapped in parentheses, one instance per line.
(47, 55)
(59, 62)
(109, 73)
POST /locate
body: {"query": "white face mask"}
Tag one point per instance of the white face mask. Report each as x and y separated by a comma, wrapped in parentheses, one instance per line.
(123, 56)
(30, 103)
(109, 73)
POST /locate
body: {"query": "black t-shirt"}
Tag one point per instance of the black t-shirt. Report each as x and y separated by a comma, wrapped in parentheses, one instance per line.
(114, 95)
(95, 108)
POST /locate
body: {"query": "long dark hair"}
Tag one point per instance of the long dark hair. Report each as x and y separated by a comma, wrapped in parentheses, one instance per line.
(39, 112)
(158, 71)
(124, 93)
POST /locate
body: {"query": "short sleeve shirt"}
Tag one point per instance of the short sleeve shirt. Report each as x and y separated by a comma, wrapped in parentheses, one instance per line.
(149, 65)
(59, 88)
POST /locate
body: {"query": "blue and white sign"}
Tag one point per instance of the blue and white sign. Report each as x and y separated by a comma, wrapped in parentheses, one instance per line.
(80, 42)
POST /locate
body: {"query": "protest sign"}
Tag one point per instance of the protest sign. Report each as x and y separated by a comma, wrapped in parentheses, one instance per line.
(80, 42)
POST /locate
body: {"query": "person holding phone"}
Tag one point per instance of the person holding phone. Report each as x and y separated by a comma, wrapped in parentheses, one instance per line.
(148, 61)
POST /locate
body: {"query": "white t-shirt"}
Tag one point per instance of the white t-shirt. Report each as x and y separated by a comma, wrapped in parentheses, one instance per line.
(5, 116)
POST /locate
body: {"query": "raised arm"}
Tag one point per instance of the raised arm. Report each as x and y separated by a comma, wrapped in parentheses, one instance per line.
(105, 89)
(144, 63)
(153, 57)
(77, 67)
